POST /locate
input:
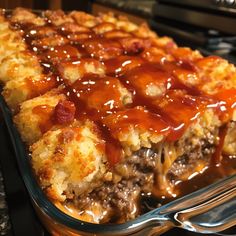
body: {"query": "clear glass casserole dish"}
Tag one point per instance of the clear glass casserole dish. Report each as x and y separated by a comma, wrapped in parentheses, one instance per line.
(209, 210)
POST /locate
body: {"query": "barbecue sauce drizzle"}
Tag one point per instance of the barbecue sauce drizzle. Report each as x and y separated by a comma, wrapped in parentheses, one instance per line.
(171, 111)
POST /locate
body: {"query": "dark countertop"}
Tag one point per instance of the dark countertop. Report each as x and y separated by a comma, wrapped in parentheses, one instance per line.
(17, 215)
(4, 219)
(4, 216)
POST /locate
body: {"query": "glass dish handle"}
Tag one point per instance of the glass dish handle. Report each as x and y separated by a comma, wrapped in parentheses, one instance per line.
(209, 210)
(212, 216)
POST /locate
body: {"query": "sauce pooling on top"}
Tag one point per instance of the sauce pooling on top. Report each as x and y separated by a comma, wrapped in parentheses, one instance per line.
(133, 90)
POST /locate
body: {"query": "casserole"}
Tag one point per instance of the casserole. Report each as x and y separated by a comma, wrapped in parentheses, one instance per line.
(103, 131)
(220, 216)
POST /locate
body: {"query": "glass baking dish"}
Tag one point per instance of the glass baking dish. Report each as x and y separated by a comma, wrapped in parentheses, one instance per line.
(209, 210)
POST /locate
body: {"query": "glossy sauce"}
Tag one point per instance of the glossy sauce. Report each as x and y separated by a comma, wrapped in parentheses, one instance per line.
(103, 49)
(61, 53)
(211, 174)
(100, 94)
(139, 118)
(39, 87)
(120, 65)
(169, 105)
(45, 114)
(227, 103)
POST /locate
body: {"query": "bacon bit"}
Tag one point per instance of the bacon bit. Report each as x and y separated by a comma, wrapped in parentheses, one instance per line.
(135, 45)
(64, 112)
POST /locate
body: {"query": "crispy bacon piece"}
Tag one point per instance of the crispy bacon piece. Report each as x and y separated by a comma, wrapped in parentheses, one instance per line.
(134, 45)
(64, 112)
